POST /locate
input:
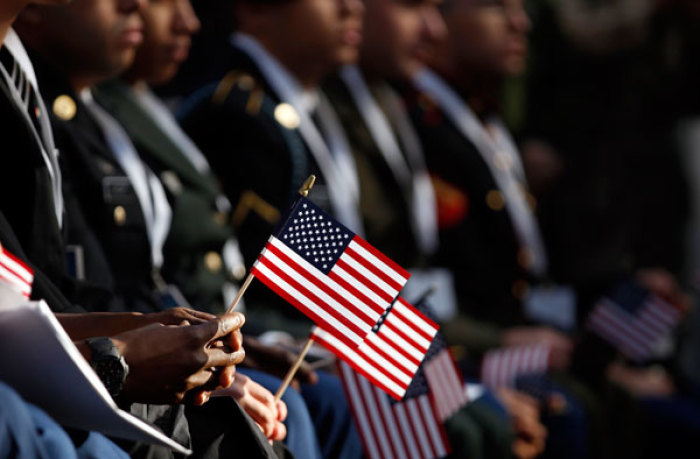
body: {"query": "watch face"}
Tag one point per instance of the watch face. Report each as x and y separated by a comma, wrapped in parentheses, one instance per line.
(111, 372)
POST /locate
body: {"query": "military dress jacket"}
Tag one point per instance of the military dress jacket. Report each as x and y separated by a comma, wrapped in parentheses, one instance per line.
(477, 237)
(254, 147)
(106, 205)
(200, 227)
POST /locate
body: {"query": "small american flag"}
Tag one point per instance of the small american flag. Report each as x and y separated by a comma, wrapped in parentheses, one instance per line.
(15, 273)
(406, 429)
(503, 366)
(330, 274)
(391, 354)
(444, 379)
(633, 320)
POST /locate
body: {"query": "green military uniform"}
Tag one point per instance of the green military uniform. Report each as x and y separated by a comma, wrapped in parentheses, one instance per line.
(200, 227)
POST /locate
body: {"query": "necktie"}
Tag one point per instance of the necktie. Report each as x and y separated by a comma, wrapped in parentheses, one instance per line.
(27, 98)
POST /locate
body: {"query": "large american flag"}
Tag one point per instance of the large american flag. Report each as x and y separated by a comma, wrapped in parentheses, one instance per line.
(503, 366)
(392, 352)
(330, 274)
(633, 320)
(394, 430)
(15, 273)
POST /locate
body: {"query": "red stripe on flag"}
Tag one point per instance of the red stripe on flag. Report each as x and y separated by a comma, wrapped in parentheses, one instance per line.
(371, 267)
(358, 294)
(28, 272)
(386, 260)
(417, 312)
(378, 403)
(357, 367)
(417, 330)
(364, 281)
(403, 335)
(315, 299)
(383, 352)
(397, 348)
(293, 301)
(326, 289)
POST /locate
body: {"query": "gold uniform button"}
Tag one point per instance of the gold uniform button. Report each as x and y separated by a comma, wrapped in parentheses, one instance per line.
(495, 200)
(119, 215)
(287, 116)
(64, 107)
(213, 262)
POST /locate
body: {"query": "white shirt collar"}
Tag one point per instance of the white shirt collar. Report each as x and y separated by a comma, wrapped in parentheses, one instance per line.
(15, 47)
(273, 70)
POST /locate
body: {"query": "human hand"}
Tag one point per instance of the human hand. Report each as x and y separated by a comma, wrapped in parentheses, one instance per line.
(642, 382)
(167, 361)
(530, 434)
(175, 316)
(561, 346)
(662, 283)
(260, 405)
(276, 360)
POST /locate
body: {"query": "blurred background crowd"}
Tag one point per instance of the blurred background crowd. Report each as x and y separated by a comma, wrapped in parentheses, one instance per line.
(535, 164)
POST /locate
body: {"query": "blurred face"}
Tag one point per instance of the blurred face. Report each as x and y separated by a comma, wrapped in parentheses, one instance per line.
(324, 34)
(92, 40)
(168, 26)
(398, 35)
(488, 36)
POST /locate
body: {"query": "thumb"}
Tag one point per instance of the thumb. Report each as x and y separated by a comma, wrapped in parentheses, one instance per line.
(223, 325)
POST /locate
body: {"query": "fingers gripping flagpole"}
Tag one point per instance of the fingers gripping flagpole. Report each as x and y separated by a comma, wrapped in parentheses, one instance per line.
(304, 191)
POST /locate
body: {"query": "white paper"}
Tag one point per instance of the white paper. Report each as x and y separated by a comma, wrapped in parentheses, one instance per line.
(39, 360)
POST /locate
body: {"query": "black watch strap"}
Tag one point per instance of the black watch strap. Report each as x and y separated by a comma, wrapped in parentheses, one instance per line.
(108, 363)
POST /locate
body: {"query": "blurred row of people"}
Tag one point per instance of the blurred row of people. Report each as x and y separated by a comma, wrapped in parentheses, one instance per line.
(145, 193)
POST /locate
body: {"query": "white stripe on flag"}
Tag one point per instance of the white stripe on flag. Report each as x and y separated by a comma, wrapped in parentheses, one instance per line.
(319, 277)
(20, 270)
(371, 369)
(271, 258)
(370, 276)
(501, 367)
(317, 309)
(445, 384)
(379, 264)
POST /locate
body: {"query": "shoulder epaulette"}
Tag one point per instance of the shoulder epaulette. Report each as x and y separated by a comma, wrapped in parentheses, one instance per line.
(240, 81)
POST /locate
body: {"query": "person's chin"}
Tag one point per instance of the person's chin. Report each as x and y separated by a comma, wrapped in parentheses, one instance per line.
(348, 55)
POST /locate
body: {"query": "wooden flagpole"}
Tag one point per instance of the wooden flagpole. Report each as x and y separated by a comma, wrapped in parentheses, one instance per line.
(304, 191)
(293, 370)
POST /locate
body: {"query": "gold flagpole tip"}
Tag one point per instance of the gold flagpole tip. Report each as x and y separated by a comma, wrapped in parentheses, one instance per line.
(308, 184)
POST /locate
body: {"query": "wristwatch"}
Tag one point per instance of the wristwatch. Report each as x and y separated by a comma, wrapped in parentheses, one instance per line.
(108, 363)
